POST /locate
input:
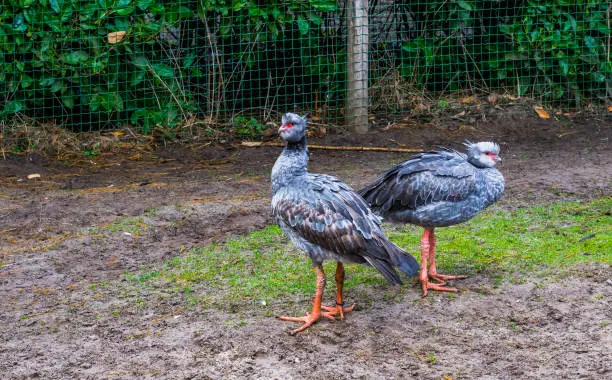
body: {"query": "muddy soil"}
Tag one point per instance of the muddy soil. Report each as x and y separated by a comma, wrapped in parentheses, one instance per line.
(68, 237)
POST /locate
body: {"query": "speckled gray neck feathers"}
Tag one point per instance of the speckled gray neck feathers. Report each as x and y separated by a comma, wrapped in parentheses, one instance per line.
(291, 164)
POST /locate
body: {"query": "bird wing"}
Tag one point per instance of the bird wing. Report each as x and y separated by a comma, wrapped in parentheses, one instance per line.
(327, 212)
(427, 178)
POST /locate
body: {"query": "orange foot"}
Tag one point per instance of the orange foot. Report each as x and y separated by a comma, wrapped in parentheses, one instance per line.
(308, 320)
(435, 286)
(443, 277)
(337, 310)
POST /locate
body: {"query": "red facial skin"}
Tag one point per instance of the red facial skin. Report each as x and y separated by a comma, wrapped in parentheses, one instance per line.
(495, 157)
(285, 127)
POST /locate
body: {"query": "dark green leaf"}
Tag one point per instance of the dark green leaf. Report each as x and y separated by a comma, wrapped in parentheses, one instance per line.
(26, 81)
(126, 11)
(303, 25)
(188, 60)
(137, 77)
(144, 4)
(12, 107)
(68, 100)
(57, 85)
(564, 64)
(598, 77)
(465, 5)
(122, 3)
(75, 57)
(178, 13)
(238, 5)
(162, 70)
(315, 18)
(140, 61)
(137, 115)
(19, 24)
(325, 6)
(56, 5)
(591, 43)
(66, 13)
(46, 82)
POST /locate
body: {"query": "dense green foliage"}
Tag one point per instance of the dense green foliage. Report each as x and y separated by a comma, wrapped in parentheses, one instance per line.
(214, 58)
(557, 49)
(268, 53)
(57, 61)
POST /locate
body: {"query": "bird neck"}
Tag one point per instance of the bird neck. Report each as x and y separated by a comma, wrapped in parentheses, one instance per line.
(297, 146)
(291, 164)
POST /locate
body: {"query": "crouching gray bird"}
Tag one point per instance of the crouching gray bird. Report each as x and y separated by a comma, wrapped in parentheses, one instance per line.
(328, 220)
(438, 189)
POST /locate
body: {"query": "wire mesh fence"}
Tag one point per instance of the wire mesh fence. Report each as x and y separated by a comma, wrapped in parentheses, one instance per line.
(92, 65)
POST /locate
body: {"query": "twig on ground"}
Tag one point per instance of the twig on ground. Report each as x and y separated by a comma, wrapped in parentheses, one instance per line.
(252, 144)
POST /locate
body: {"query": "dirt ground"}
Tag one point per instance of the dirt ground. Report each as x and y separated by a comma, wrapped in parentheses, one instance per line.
(66, 310)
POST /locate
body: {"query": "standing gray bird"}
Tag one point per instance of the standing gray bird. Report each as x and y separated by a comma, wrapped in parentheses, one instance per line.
(328, 220)
(438, 189)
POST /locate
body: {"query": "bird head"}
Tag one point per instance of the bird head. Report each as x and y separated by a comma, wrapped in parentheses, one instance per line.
(293, 127)
(484, 154)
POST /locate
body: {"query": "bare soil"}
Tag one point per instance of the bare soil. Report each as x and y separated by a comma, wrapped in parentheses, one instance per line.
(66, 310)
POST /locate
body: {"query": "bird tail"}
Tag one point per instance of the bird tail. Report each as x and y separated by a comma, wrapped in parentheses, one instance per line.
(404, 261)
(386, 269)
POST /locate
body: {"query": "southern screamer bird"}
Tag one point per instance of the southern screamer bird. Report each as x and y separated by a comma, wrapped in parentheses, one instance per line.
(438, 189)
(328, 220)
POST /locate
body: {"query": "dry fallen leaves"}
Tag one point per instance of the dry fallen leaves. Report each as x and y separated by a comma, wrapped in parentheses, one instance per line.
(541, 112)
(317, 132)
(469, 99)
(115, 37)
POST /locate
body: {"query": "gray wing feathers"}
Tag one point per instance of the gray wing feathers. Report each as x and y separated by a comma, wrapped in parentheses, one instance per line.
(429, 177)
(329, 214)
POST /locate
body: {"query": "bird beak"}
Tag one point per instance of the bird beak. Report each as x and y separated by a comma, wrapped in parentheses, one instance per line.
(498, 159)
(282, 129)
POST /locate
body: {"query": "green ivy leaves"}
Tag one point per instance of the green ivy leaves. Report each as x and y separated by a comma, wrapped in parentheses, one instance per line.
(58, 58)
(554, 49)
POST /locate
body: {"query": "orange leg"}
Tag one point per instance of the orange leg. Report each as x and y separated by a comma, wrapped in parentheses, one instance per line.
(427, 251)
(433, 274)
(330, 312)
(339, 309)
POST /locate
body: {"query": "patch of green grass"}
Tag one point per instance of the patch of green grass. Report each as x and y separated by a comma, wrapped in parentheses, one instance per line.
(264, 267)
(133, 225)
(261, 268)
(522, 240)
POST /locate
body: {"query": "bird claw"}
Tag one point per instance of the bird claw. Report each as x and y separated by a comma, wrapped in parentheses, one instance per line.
(332, 311)
(443, 277)
(308, 320)
(438, 281)
(435, 286)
